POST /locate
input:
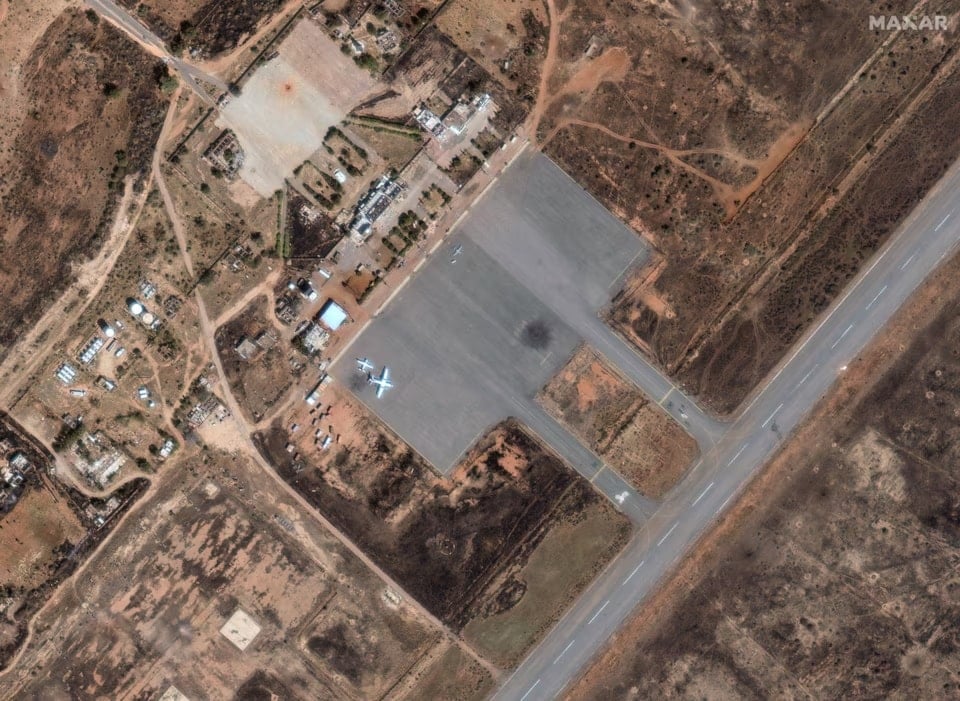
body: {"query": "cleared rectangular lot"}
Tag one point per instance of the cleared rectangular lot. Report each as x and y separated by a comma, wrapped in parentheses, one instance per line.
(288, 104)
(471, 342)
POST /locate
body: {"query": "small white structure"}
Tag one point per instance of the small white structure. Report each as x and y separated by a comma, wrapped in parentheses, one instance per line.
(240, 629)
(339, 176)
(173, 694)
(106, 328)
(134, 307)
(66, 373)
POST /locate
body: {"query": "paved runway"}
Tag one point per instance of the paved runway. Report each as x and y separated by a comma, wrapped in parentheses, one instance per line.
(473, 337)
(928, 236)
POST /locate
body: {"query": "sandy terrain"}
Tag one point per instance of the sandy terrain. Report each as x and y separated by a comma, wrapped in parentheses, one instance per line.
(835, 575)
(466, 547)
(199, 551)
(619, 423)
(743, 149)
(95, 113)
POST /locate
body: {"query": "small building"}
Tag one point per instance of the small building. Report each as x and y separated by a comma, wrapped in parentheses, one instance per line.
(266, 340)
(66, 373)
(106, 328)
(91, 349)
(167, 448)
(246, 348)
(332, 315)
(147, 289)
(306, 290)
(240, 629)
(106, 383)
(313, 398)
(313, 339)
(429, 121)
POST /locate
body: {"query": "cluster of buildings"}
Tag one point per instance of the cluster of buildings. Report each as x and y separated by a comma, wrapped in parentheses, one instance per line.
(12, 476)
(455, 120)
(248, 348)
(372, 205)
(98, 460)
(314, 334)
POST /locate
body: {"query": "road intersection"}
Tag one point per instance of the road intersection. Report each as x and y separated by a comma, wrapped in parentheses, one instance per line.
(190, 74)
(731, 453)
(926, 238)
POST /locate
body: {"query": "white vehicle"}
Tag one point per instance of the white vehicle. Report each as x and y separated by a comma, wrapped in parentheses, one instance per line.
(382, 383)
(364, 365)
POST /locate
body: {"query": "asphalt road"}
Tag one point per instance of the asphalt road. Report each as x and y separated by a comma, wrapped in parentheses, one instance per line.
(191, 75)
(929, 235)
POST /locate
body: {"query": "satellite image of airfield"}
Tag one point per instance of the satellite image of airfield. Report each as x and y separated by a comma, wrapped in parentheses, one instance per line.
(416, 350)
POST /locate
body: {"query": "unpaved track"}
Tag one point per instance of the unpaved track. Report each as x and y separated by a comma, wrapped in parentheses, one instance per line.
(244, 444)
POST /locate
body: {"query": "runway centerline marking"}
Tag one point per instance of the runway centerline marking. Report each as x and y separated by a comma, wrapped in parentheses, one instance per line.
(908, 261)
(668, 534)
(807, 376)
(569, 645)
(739, 453)
(845, 332)
(874, 300)
(726, 501)
(635, 570)
(764, 424)
(942, 222)
(529, 690)
(599, 611)
(702, 494)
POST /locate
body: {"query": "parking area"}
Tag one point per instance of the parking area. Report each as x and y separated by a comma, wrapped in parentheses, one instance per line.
(475, 335)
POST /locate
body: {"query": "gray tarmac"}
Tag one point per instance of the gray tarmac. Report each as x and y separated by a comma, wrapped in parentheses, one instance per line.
(473, 337)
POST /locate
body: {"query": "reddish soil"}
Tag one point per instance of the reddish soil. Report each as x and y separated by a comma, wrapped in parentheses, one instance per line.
(743, 161)
(834, 576)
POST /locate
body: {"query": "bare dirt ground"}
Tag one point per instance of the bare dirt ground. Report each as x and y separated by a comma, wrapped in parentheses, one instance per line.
(732, 146)
(507, 38)
(288, 104)
(203, 547)
(263, 379)
(447, 673)
(94, 111)
(465, 547)
(618, 422)
(46, 530)
(835, 576)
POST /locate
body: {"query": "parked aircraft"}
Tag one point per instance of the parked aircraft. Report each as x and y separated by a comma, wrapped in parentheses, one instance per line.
(364, 365)
(382, 383)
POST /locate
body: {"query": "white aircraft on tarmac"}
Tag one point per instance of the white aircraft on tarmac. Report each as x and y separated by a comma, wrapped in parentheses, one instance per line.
(383, 382)
(364, 365)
